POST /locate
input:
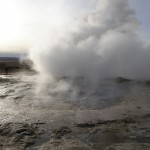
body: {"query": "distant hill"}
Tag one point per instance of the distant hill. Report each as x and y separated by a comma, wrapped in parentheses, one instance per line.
(9, 59)
(12, 54)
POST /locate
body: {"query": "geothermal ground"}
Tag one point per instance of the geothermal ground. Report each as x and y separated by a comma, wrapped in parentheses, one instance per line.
(112, 114)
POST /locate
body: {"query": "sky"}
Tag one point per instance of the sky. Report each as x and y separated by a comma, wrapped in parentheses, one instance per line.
(142, 8)
(22, 22)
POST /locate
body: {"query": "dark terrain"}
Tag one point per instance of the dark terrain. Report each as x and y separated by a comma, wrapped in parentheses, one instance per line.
(10, 65)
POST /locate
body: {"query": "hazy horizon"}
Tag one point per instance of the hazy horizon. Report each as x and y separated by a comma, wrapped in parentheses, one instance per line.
(12, 54)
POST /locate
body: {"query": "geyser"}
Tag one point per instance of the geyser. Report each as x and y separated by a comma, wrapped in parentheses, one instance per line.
(99, 44)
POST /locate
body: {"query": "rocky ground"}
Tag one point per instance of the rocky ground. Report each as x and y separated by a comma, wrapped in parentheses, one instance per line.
(18, 136)
(128, 133)
(116, 118)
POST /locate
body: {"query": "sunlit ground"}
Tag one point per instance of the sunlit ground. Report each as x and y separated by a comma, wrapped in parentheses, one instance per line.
(19, 100)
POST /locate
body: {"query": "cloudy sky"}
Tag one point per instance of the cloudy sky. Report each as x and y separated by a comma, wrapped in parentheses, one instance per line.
(22, 21)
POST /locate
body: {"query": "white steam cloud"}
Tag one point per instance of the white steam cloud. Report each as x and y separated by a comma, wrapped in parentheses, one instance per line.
(102, 43)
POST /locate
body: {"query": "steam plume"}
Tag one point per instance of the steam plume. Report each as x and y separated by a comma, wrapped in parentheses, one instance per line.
(102, 43)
